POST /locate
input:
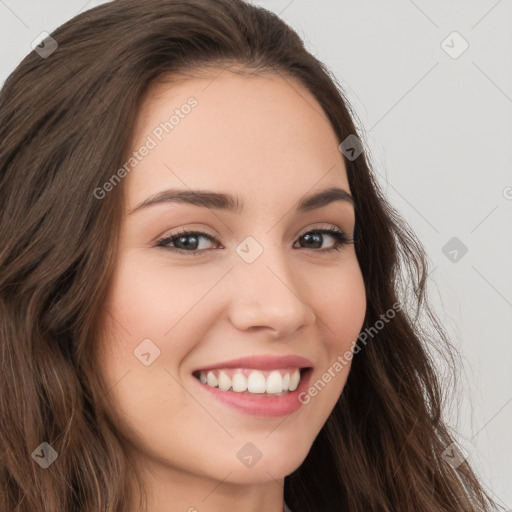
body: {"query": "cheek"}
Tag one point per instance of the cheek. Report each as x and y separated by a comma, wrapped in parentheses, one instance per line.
(142, 334)
(157, 310)
(340, 306)
(340, 310)
(149, 298)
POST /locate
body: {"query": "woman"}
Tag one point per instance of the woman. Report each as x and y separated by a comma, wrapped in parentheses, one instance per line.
(202, 300)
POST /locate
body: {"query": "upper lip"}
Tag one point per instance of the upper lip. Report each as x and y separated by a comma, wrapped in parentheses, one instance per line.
(261, 362)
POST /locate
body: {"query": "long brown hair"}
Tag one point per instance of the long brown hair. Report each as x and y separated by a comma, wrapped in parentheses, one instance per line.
(65, 128)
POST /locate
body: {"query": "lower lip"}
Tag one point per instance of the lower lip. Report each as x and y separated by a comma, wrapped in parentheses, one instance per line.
(271, 406)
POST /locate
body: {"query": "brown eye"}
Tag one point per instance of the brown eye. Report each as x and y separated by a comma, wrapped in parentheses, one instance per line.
(317, 237)
(185, 241)
(188, 242)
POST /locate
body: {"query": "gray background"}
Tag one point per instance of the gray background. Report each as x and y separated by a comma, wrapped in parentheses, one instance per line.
(439, 128)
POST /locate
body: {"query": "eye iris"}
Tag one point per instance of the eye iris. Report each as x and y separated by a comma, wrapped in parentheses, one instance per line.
(316, 236)
(192, 246)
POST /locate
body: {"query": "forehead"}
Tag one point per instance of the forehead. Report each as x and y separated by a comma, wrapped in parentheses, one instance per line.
(244, 134)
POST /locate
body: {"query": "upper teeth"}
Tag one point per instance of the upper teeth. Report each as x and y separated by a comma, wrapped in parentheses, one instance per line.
(254, 381)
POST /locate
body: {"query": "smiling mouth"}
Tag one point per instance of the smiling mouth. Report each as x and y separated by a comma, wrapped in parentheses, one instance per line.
(249, 381)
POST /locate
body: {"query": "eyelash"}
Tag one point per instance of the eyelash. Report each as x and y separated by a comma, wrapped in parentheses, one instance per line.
(341, 239)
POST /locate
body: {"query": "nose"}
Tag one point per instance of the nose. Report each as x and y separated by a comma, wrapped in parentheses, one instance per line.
(267, 295)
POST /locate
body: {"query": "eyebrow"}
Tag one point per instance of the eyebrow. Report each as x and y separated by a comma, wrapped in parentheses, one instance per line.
(230, 203)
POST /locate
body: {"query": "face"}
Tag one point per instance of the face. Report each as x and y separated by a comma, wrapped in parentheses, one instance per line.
(263, 283)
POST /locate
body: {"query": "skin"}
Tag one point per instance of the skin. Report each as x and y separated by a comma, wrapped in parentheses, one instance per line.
(269, 143)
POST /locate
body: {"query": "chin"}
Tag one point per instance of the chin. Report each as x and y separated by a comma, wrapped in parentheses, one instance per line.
(277, 461)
